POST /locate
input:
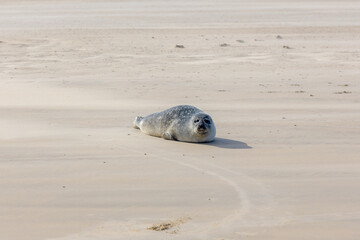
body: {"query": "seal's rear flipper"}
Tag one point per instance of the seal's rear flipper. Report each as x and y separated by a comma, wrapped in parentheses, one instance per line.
(137, 122)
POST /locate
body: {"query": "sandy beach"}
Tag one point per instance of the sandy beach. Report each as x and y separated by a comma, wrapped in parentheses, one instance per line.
(281, 79)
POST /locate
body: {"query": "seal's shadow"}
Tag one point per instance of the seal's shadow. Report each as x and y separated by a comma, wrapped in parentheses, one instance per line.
(228, 143)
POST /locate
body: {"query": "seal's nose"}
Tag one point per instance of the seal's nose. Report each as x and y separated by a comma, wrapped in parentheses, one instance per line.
(202, 126)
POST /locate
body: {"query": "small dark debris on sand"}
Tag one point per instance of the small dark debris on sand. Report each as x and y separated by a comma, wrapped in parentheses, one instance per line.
(224, 45)
(240, 41)
(161, 226)
(179, 46)
(167, 225)
(278, 37)
(287, 47)
(299, 91)
(343, 92)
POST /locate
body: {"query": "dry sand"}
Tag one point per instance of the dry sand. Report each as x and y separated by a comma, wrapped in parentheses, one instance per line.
(280, 78)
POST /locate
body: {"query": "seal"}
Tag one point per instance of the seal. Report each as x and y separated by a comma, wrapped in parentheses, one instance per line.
(181, 123)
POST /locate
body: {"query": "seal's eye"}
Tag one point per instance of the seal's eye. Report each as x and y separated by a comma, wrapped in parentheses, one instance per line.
(196, 121)
(207, 121)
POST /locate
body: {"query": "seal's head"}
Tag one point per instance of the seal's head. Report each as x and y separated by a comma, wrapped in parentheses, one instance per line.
(204, 127)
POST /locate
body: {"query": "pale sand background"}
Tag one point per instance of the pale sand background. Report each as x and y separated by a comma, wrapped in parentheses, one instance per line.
(75, 74)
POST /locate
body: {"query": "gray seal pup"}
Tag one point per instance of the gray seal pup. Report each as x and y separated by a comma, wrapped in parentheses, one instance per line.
(182, 123)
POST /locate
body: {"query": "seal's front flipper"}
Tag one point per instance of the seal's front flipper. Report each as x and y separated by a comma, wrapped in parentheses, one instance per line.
(137, 122)
(168, 136)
